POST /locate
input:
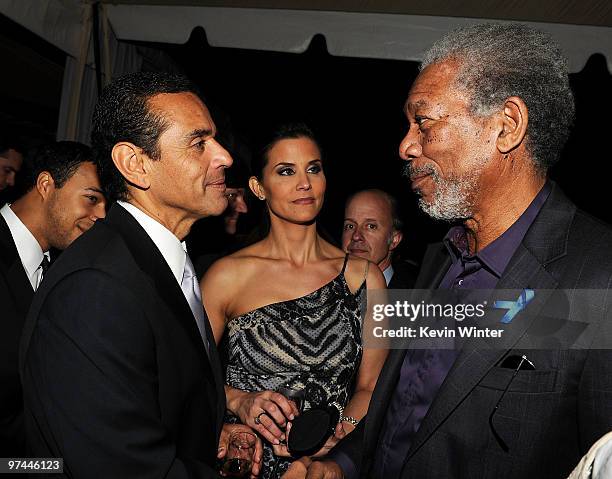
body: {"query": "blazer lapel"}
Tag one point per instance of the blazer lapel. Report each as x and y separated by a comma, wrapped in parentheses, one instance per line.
(435, 265)
(545, 242)
(385, 388)
(18, 283)
(152, 263)
(217, 373)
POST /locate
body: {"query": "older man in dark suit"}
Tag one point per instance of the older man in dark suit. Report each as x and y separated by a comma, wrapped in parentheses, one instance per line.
(119, 367)
(488, 115)
(63, 199)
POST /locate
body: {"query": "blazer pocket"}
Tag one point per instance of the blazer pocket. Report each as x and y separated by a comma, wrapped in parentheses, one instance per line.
(534, 382)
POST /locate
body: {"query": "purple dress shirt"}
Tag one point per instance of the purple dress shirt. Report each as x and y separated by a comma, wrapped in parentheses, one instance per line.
(424, 371)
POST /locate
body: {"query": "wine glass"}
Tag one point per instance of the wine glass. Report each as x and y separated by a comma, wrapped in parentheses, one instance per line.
(295, 395)
(239, 457)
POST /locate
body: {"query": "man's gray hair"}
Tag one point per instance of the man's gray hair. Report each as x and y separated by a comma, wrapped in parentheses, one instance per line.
(497, 61)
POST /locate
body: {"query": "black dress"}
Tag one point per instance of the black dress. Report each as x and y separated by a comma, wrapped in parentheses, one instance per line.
(312, 344)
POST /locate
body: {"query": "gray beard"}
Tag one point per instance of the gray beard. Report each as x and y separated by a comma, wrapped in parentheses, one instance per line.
(451, 198)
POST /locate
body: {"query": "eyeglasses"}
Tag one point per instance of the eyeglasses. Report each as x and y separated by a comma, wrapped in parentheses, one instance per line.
(524, 363)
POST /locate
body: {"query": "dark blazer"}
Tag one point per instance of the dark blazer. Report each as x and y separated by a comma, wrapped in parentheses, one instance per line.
(115, 376)
(405, 274)
(15, 297)
(549, 417)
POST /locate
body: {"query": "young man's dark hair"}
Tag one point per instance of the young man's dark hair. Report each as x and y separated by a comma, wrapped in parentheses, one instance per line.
(61, 159)
(122, 114)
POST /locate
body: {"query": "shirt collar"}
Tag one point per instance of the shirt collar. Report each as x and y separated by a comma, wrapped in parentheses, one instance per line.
(388, 274)
(171, 248)
(496, 256)
(28, 248)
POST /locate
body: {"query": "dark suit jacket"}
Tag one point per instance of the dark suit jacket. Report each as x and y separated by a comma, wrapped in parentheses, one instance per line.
(15, 297)
(115, 376)
(549, 417)
(405, 274)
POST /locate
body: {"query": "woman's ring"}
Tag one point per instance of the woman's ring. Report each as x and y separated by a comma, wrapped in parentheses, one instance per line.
(257, 420)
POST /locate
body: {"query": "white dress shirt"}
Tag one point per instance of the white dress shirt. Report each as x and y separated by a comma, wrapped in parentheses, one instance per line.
(172, 249)
(388, 274)
(30, 252)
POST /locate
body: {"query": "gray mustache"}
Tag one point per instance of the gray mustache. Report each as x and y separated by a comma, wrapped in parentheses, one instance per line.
(410, 171)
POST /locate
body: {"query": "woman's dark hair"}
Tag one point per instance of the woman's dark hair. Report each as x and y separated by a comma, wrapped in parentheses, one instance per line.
(286, 131)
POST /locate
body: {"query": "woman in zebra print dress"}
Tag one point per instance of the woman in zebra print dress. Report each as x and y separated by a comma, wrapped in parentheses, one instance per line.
(292, 306)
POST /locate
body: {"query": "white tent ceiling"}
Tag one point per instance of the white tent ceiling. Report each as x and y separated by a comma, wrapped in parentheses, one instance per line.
(362, 33)
(583, 12)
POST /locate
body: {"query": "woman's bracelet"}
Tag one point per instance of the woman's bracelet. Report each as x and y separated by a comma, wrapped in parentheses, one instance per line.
(350, 419)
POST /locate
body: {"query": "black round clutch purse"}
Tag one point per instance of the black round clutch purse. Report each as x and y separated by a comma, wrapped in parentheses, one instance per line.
(311, 429)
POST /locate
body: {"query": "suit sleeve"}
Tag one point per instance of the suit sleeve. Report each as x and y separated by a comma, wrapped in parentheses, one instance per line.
(91, 371)
(12, 435)
(348, 452)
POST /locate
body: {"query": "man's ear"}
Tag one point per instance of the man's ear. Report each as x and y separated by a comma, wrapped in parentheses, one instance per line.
(396, 239)
(45, 184)
(514, 124)
(257, 188)
(132, 163)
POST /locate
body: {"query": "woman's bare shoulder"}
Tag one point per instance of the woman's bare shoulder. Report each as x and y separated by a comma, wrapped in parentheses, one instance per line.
(254, 250)
(231, 268)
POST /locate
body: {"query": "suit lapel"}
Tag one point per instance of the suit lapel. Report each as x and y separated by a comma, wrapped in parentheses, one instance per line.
(435, 265)
(152, 263)
(385, 388)
(18, 283)
(218, 374)
(545, 242)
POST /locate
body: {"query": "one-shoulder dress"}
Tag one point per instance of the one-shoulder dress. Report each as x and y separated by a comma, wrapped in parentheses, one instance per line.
(312, 344)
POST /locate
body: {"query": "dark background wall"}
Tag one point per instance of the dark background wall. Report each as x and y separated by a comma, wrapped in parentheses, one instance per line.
(31, 78)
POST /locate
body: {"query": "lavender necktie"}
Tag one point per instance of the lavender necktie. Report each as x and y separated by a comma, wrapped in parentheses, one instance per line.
(191, 290)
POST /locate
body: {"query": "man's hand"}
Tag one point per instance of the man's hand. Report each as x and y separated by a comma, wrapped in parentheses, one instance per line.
(307, 469)
(226, 432)
(297, 469)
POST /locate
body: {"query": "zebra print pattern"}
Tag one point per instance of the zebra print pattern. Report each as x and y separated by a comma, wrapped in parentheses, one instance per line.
(311, 343)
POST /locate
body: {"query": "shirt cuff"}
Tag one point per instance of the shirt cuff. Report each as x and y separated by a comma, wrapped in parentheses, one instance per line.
(349, 469)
